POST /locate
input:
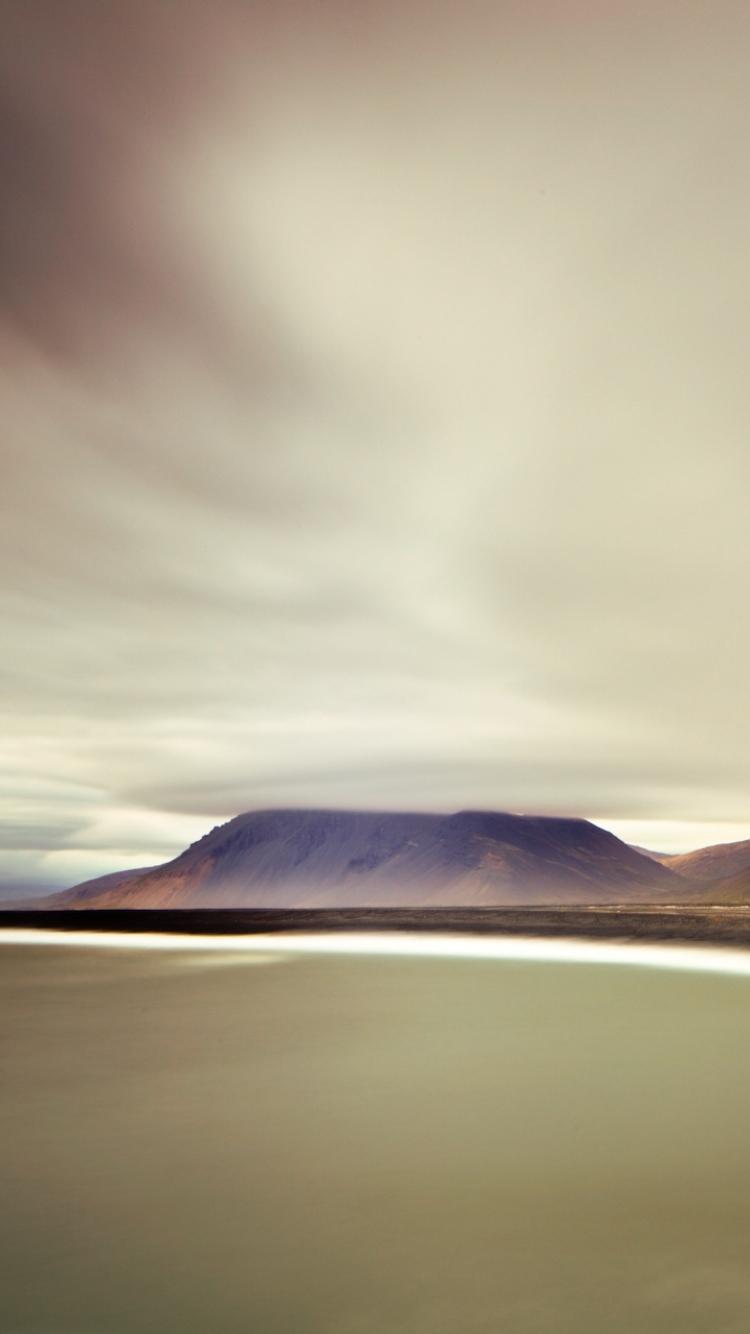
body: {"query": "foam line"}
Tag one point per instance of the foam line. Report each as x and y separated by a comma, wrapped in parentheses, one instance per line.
(684, 958)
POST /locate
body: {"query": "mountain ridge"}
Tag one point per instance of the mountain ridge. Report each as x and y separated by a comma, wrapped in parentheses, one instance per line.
(332, 858)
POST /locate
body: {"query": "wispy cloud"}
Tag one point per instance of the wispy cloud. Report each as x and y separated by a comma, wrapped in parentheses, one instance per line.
(374, 413)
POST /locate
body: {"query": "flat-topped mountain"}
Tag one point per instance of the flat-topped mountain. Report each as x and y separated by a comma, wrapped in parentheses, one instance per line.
(329, 858)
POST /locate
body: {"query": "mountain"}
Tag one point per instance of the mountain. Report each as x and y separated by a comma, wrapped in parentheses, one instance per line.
(736, 889)
(92, 889)
(648, 852)
(328, 858)
(722, 863)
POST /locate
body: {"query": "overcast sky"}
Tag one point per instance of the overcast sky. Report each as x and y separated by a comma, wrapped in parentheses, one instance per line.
(375, 417)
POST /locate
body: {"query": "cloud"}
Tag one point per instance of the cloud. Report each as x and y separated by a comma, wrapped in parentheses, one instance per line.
(374, 411)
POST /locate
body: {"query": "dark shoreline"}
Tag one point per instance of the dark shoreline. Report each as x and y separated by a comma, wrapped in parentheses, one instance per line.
(700, 925)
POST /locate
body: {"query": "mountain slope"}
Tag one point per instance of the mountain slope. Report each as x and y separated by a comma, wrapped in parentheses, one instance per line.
(309, 858)
(79, 895)
(734, 890)
(723, 861)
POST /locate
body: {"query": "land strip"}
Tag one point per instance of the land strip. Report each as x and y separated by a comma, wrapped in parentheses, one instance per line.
(717, 925)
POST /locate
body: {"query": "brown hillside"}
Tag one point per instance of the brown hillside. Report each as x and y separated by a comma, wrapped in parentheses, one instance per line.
(711, 866)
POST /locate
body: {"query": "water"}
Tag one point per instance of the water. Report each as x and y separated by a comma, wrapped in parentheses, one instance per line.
(223, 1143)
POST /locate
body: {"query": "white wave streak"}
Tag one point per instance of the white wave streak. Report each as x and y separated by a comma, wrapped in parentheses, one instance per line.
(685, 958)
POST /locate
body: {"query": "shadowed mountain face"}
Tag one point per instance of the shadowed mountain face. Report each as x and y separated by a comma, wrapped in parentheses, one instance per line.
(304, 858)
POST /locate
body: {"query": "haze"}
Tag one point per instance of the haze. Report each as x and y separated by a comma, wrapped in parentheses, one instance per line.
(375, 417)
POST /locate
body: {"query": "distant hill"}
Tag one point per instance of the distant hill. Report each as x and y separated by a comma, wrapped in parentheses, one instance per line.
(328, 858)
(648, 852)
(22, 897)
(716, 866)
(736, 889)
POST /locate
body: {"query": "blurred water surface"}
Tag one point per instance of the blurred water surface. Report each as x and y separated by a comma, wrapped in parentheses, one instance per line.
(370, 1145)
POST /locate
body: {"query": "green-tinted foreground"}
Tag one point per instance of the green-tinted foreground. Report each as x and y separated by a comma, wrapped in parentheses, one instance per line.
(215, 1145)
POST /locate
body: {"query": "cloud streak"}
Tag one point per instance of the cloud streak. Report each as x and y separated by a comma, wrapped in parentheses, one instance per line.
(374, 415)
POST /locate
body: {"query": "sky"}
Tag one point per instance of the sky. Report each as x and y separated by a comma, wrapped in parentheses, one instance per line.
(375, 417)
